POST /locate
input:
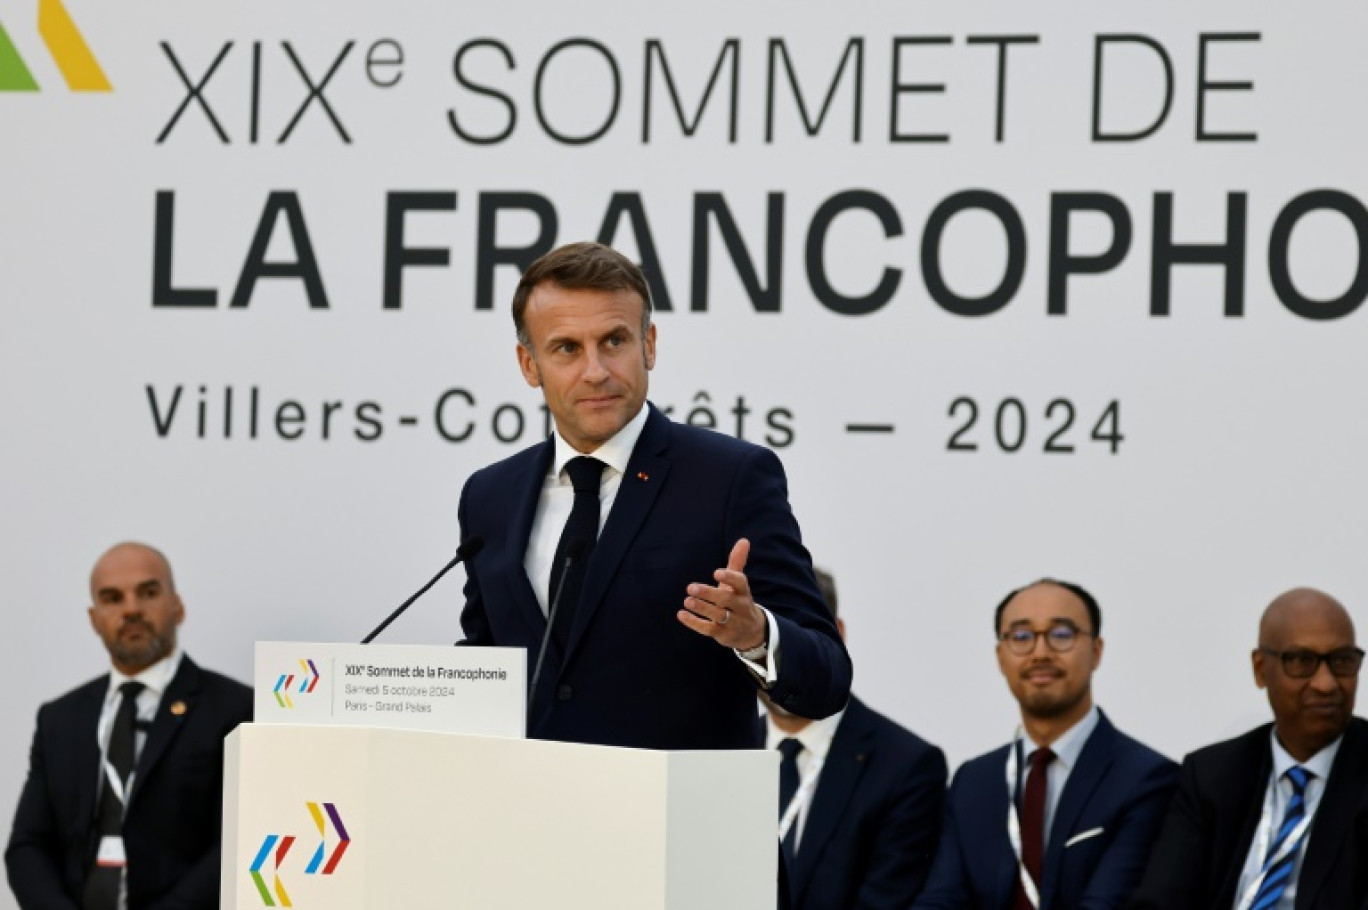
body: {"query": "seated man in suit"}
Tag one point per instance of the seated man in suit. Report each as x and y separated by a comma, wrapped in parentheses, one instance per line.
(1277, 819)
(668, 554)
(122, 806)
(1064, 815)
(860, 802)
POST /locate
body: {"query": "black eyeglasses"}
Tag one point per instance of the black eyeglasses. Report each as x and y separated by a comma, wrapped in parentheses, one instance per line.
(1303, 664)
(1060, 637)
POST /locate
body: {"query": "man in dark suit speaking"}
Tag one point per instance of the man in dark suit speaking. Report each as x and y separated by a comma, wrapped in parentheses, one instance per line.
(1277, 819)
(122, 806)
(669, 553)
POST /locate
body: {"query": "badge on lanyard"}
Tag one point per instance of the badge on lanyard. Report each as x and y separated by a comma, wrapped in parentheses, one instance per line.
(111, 853)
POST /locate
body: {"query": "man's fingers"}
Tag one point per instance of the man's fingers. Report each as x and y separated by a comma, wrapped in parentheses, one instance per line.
(701, 626)
(740, 552)
(704, 601)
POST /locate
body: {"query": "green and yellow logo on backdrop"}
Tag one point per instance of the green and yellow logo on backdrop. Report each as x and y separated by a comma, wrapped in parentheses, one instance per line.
(58, 30)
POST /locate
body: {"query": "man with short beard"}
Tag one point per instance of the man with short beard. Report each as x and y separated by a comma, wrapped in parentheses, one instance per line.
(122, 806)
(1064, 815)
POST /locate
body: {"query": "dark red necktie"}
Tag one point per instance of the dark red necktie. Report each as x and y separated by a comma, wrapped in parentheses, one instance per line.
(1033, 822)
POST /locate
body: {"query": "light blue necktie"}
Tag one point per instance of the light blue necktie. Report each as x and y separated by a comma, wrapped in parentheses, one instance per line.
(1278, 874)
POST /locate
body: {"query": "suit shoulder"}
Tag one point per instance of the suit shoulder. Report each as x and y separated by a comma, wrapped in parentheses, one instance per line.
(87, 690)
(717, 445)
(892, 735)
(513, 466)
(982, 768)
(227, 685)
(1229, 752)
(1140, 756)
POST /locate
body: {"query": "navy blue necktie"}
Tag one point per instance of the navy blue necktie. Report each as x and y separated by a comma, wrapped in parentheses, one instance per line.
(788, 786)
(1278, 874)
(582, 525)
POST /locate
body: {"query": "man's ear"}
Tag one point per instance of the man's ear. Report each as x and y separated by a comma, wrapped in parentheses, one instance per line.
(1258, 661)
(528, 364)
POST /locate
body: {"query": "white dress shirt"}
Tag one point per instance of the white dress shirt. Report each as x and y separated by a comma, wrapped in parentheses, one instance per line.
(558, 495)
(816, 738)
(1066, 748)
(155, 679)
(553, 509)
(1277, 795)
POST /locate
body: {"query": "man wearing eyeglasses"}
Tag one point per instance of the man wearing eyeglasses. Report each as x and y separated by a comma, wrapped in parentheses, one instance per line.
(1277, 819)
(1063, 816)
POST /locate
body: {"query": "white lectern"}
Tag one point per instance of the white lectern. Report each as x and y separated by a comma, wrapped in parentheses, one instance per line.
(323, 817)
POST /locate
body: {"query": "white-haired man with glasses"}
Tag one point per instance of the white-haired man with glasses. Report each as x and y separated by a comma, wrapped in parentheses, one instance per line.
(1064, 815)
(1277, 819)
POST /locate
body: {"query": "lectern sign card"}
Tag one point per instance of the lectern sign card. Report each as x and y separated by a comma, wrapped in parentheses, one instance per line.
(478, 691)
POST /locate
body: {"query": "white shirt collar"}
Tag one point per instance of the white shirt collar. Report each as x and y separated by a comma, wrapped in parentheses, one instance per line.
(1069, 746)
(816, 737)
(156, 677)
(615, 453)
(1318, 764)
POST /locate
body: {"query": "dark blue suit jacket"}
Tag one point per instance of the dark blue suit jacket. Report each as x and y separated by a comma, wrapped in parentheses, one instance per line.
(631, 674)
(171, 828)
(1119, 786)
(872, 829)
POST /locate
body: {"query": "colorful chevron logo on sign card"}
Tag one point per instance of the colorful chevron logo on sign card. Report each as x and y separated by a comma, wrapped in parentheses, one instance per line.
(285, 684)
(68, 48)
(275, 847)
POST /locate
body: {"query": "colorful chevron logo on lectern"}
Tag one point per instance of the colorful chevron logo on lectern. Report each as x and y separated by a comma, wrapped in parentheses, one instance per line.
(275, 847)
(69, 51)
(308, 680)
(268, 847)
(343, 839)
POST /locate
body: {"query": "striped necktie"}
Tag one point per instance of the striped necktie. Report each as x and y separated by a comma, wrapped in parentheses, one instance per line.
(1277, 872)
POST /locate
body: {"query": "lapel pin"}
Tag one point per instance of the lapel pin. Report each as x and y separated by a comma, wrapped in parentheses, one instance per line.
(642, 475)
(178, 708)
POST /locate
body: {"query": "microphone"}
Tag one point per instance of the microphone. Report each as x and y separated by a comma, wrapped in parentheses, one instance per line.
(574, 549)
(468, 548)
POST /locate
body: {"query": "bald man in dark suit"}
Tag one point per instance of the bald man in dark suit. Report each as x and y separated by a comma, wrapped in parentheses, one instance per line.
(85, 835)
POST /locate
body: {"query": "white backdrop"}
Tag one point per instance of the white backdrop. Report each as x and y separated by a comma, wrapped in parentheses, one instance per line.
(1237, 473)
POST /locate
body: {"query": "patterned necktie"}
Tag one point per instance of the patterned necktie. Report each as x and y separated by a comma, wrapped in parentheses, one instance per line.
(102, 886)
(1033, 821)
(583, 525)
(1278, 872)
(788, 785)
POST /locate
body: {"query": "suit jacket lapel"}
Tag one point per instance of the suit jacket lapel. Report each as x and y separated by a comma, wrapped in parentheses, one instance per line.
(1093, 764)
(1341, 801)
(641, 484)
(996, 803)
(177, 704)
(522, 510)
(846, 762)
(1250, 781)
(87, 749)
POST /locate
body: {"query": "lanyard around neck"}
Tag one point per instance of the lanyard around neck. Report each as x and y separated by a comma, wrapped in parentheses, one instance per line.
(1289, 844)
(1028, 884)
